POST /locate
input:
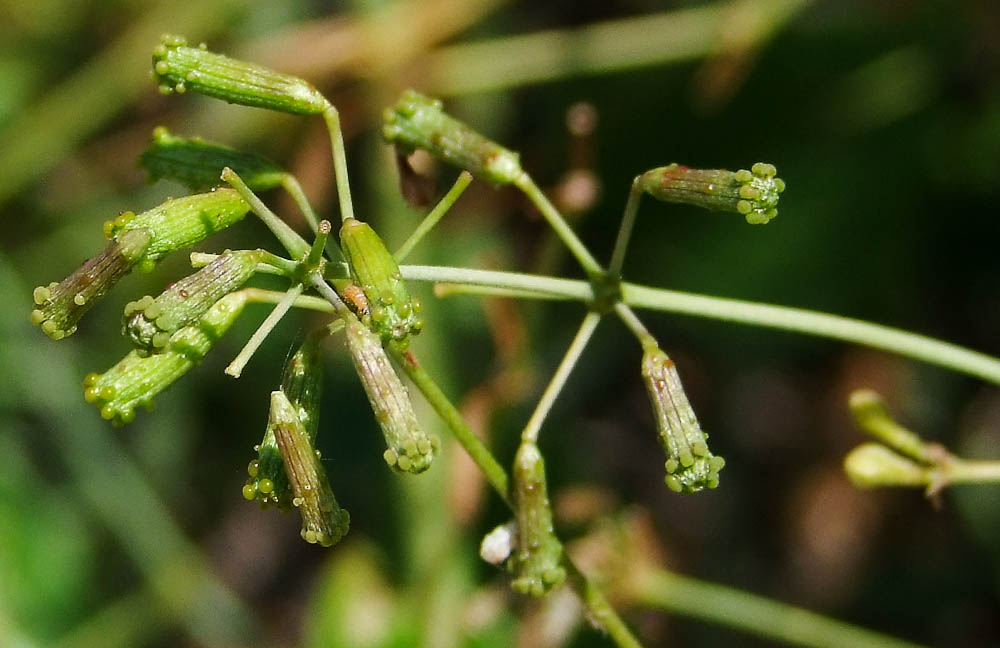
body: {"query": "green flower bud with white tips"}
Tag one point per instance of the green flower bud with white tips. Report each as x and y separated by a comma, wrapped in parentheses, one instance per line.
(690, 465)
(417, 122)
(390, 312)
(59, 306)
(302, 385)
(180, 68)
(197, 164)
(753, 193)
(872, 465)
(410, 449)
(149, 322)
(137, 379)
(537, 558)
(180, 222)
(323, 521)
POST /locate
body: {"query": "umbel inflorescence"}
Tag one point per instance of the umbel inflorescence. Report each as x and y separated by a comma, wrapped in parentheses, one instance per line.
(360, 284)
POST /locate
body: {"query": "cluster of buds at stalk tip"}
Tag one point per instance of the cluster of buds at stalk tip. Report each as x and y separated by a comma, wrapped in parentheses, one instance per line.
(690, 465)
(138, 378)
(323, 521)
(418, 122)
(410, 448)
(196, 164)
(302, 386)
(753, 193)
(179, 68)
(148, 323)
(537, 557)
(387, 308)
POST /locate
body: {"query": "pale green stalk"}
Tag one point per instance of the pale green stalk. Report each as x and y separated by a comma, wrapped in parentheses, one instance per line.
(625, 232)
(339, 162)
(432, 217)
(288, 238)
(235, 367)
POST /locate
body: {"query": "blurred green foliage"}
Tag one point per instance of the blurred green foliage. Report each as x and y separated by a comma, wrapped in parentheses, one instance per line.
(884, 120)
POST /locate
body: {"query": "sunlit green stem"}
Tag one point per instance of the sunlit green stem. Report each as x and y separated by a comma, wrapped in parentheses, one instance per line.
(559, 224)
(272, 263)
(548, 399)
(452, 289)
(431, 219)
(632, 321)
(339, 162)
(307, 302)
(235, 367)
(625, 232)
(968, 471)
(727, 606)
(291, 185)
(288, 238)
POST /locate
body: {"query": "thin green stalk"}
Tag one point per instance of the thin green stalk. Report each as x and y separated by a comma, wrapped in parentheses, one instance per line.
(559, 224)
(308, 302)
(291, 185)
(453, 289)
(632, 321)
(332, 118)
(625, 232)
(887, 338)
(555, 386)
(288, 237)
(235, 367)
(431, 219)
(970, 471)
(727, 606)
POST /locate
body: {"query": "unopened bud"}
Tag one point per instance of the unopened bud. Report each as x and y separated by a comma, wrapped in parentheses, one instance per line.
(753, 193)
(323, 521)
(302, 385)
(149, 322)
(390, 312)
(872, 465)
(410, 449)
(417, 122)
(871, 413)
(180, 222)
(137, 379)
(538, 556)
(690, 465)
(197, 164)
(59, 306)
(180, 68)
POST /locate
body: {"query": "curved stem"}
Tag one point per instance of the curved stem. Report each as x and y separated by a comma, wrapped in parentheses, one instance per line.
(548, 399)
(887, 338)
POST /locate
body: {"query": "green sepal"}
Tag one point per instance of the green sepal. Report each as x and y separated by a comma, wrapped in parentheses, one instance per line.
(388, 308)
(410, 448)
(148, 323)
(418, 122)
(302, 385)
(872, 465)
(179, 68)
(59, 306)
(753, 193)
(690, 465)
(323, 521)
(537, 557)
(197, 164)
(180, 222)
(137, 379)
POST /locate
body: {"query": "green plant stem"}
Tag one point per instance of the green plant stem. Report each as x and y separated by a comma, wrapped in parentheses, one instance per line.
(235, 367)
(970, 471)
(432, 217)
(288, 237)
(307, 302)
(727, 606)
(912, 345)
(561, 227)
(558, 381)
(332, 118)
(452, 289)
(632, 321)
(292, 187)
(625, 232)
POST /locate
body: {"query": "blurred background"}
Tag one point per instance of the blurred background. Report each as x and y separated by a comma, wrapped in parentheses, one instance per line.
(883, 119)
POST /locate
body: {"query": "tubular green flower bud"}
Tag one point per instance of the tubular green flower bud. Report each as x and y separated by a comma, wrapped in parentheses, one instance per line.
(179, 68)
(59, 306)
(752, 193)
(390, 311)
(149, 322)
(136, 379)
(302, 384)
(872, 465)
(417, 122)
(181, 222)
(197, 164)
(690, 465)
(870, 412)
(323, 521)
(410, 449)
(536, 559)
